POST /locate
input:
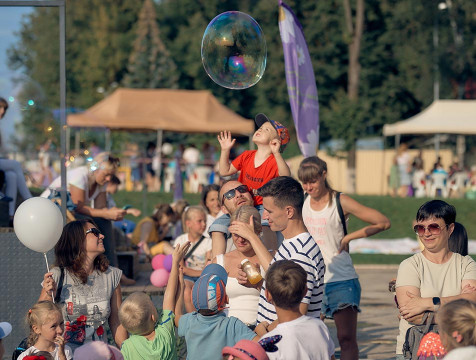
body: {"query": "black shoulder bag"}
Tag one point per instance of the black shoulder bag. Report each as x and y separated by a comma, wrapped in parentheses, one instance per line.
(341, 212)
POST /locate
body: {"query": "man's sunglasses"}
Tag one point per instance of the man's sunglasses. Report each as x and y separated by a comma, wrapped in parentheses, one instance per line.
(230, 194)
(434, 229)
(93, 231)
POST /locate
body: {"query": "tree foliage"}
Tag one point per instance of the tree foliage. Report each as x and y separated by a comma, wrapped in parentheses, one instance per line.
(397, 57)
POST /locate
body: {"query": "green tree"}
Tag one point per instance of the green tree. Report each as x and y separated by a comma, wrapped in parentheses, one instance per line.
(150, 64)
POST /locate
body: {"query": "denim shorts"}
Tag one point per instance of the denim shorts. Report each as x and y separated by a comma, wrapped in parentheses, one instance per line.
(340, 295)
(260, 208)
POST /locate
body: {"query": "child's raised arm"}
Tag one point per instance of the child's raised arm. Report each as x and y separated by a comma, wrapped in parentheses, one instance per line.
(180, 302)
(226, 143)
(283, 168)
(177, 256)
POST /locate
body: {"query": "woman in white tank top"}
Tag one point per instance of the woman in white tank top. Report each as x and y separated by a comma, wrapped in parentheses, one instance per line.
(243, 300)
(323, 221)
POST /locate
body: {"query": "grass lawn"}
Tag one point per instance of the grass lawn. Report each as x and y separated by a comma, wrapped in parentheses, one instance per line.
(400, 211)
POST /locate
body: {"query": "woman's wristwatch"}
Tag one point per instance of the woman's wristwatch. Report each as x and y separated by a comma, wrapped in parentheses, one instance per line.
(436, 303)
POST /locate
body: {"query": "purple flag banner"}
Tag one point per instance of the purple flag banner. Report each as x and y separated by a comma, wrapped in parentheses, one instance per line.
(301, 82)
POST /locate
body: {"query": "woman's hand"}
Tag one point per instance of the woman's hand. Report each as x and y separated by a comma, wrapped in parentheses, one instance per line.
(116, 214)
(243, 279)
(417, 305)
(179, 252)
(344, 244)
(246, 231)
(49, 284)
(468, 289)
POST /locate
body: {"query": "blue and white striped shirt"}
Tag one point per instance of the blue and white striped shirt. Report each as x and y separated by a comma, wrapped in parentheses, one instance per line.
(303, 250)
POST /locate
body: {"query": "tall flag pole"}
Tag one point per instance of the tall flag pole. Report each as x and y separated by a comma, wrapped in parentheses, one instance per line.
(301, 82)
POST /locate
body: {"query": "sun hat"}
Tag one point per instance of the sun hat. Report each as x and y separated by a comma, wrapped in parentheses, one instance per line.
(283, 132)
(97, 350)
(5, 329)
(208, 293)
(246, 350)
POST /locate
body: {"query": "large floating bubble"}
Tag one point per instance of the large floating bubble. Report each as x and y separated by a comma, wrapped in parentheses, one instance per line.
(234, 50)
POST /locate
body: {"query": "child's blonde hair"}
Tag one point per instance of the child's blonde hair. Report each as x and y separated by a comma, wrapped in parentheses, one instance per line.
(135, 314)
(37, 316)
(243, 214)
(455, 318)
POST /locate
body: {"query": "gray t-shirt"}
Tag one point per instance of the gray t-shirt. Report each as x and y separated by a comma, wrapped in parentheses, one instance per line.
(432, 279)
(92, 299)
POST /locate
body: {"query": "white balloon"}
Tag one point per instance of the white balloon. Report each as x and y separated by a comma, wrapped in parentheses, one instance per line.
(38, 224)
(167, 148)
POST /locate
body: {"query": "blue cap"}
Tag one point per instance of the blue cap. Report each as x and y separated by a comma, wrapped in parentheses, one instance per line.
(209, 293)
(217, 270)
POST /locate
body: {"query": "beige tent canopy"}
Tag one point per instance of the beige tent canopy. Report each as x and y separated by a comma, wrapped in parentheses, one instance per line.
(162, 109)
(441, 117)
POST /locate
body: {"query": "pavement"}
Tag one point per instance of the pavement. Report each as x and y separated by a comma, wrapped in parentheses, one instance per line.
(377, 326)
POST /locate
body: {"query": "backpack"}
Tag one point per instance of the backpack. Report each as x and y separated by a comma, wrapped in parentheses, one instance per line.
(415, 334)
(24, 343)
(341, 212)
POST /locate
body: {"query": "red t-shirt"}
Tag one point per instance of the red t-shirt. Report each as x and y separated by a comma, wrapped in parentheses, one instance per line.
(255, 177)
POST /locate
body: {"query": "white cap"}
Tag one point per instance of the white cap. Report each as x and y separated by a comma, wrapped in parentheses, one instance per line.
(5, 329)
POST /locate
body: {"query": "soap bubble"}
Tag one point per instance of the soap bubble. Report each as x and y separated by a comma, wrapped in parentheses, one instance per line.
(234, 50)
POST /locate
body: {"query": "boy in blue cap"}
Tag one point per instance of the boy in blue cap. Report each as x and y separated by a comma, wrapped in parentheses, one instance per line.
(5, 330)
(208, 330)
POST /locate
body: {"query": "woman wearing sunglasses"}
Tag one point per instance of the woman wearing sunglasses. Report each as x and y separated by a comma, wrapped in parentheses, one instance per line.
(435, 276)
(89, 290)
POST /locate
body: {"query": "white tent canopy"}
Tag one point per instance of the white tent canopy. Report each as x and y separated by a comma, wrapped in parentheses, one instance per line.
(441, 117)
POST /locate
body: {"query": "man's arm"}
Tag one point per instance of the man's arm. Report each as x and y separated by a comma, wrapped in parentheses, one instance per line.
(218, 243)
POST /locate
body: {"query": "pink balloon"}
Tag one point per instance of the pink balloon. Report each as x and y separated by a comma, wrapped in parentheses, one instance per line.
(167, 263)
(159, 277)
(158, 261)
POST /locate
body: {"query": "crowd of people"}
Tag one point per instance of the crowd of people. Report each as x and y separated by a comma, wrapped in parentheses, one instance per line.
(256, 268)
(408, 177)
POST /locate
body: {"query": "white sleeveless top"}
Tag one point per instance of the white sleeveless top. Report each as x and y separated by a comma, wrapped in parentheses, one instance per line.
(243, 301)
(326, 229)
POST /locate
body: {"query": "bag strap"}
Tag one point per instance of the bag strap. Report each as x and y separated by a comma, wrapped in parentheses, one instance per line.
(341, 212)
(190, 253)
(60, 286)
(428, 318)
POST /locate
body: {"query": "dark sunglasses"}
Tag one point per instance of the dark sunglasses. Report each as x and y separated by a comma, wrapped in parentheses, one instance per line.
(230, 194)
(434, 229)
(93, 231)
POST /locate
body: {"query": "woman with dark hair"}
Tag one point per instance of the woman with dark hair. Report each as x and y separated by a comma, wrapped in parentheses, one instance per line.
(435, 276)
(151, 231)
(211, 203)
(325, 213)
(90, 289)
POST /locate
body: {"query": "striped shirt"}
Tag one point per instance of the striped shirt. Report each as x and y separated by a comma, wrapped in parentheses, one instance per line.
(303, 250)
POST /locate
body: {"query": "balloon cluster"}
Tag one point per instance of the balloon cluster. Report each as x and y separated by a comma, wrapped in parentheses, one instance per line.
(162, 264)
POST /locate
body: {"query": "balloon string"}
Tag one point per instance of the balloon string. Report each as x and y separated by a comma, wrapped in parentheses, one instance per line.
(48, 270)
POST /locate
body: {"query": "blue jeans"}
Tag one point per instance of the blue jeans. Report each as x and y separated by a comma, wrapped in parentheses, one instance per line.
(339, 295)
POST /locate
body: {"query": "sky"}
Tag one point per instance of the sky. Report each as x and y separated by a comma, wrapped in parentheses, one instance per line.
(10, 21)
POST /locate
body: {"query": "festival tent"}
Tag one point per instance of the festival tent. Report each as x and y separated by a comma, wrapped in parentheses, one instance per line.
(162, 109)
(441, 117)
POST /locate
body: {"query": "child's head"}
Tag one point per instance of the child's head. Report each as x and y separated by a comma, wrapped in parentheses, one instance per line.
(44, 320)
(208, 293)
(138, 314)
(456, 321)
(195, 220)
(269, 130)
(39, 355)
(5, 330)
(97, 350)
(163, 214)
(286, 284)
(244, 350)
(113, 184)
